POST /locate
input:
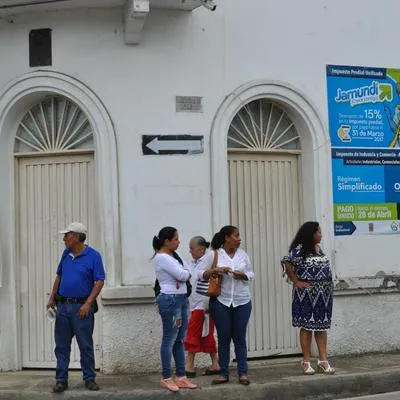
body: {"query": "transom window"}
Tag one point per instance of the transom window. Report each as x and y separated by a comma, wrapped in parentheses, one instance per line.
(262, 125)
(54, 125)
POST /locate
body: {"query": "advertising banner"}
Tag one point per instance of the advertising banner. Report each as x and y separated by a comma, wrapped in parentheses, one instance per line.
(364, 127)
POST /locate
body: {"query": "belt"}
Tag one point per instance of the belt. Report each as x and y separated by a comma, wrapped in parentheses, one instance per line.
(71, 300)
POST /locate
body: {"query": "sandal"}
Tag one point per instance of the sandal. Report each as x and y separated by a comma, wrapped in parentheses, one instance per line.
(325, 368)
(222, 379)
(184, 383)
(307, 368)
(244, 380)
(190, 374)
(169, 384)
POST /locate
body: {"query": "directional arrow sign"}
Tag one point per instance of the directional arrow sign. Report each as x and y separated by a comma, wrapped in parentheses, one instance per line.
(344, 228)
(172, 144)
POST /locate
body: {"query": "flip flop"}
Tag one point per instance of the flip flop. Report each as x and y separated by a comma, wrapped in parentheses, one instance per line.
(209, 372)
(190, 374)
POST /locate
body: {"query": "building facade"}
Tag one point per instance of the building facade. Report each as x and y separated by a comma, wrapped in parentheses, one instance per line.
(81, 139)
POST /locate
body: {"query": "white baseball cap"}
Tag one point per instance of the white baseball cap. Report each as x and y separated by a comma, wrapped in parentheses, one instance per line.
(76, 227)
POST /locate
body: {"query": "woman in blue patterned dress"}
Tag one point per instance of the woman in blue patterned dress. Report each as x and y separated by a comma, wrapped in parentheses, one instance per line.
(309, 269)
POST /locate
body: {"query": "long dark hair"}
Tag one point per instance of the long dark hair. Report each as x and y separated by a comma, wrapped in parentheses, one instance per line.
(219, 238)
(166, 233)
(305, 237)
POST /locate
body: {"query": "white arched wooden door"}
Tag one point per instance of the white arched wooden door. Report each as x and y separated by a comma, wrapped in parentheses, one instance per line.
(265, 204)
(55, 185)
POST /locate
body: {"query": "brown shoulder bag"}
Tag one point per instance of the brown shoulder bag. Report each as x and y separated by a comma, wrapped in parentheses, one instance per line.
(215, 281)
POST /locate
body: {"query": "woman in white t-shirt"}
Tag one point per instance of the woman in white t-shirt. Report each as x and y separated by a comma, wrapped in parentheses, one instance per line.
(232, 308)
(200, 332)
(172, 306)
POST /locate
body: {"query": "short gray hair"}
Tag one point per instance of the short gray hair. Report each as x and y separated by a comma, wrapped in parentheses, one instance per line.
(201, 242)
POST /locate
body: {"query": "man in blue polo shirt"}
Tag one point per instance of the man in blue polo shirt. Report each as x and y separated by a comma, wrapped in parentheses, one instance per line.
(80, 278)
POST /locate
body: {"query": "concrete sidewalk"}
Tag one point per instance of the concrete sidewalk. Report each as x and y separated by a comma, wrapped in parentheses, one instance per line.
(278, 379)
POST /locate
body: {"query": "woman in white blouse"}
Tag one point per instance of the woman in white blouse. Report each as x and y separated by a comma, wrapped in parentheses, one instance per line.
(232, 308)
(172, 306)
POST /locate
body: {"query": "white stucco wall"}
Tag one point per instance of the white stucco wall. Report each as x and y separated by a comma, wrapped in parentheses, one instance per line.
(131, 339)
(210, 55)
(132, 334)
(205, 54)
(365, 323)
(138, 85)
(293, 42)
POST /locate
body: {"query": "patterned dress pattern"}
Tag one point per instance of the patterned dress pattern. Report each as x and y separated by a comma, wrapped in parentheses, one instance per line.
(311, 307)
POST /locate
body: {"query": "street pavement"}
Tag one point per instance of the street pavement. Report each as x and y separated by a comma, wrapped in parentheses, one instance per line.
(384, 396)
(277, 379)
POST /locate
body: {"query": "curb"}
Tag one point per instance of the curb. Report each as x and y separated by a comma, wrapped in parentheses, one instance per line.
(296, 388)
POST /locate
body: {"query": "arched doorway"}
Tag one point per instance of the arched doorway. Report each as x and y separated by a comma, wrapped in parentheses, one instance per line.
(313, 167)
(19, 96)
(55, 184)
(265, 203)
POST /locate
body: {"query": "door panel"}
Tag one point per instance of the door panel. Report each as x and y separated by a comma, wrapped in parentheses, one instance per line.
(265, 205)
(51, 192)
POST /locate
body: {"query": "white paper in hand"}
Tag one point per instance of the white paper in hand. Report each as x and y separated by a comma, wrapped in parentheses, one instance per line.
(51, 314)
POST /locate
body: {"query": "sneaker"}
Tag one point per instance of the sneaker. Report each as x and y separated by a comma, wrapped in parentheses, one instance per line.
(92, 385)
(184, 383)
(169, 384)
(59, 387)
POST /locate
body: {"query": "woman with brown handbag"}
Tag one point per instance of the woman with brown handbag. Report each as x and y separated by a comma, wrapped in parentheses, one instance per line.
(232, 308)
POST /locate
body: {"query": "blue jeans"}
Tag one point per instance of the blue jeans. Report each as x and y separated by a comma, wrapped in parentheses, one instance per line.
(173, 307)
(231, 323)
(68, 324)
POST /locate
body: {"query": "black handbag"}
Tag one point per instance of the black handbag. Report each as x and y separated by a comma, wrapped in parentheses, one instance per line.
(95, 306)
